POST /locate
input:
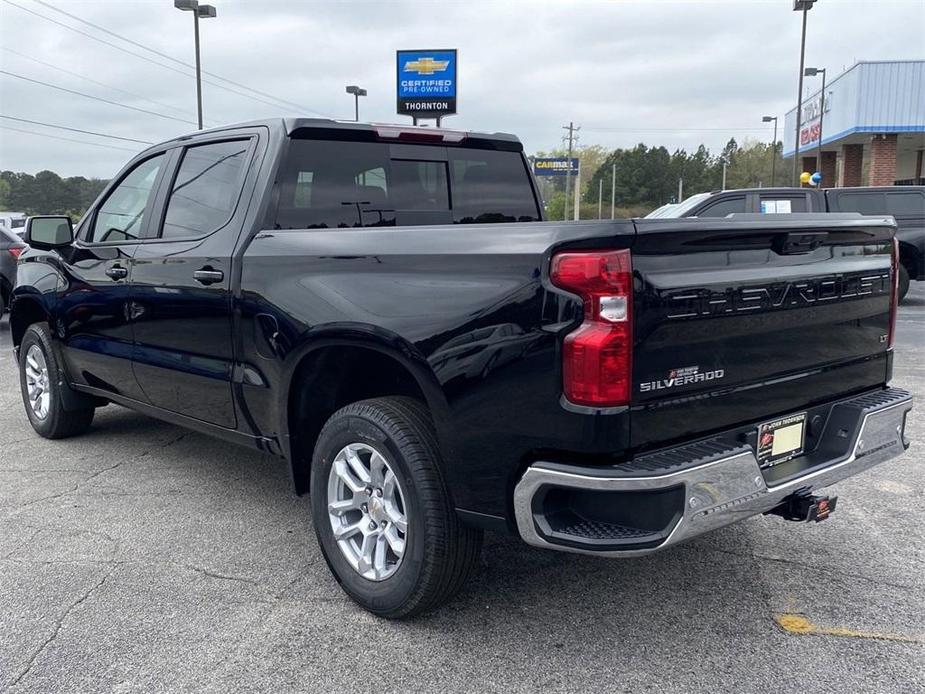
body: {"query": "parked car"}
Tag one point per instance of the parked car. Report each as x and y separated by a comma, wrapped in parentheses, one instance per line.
(905, 203)
(14, 222)
(11, 246)
(336, 294)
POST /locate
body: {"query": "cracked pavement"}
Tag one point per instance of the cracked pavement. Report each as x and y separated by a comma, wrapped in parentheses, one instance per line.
(144, 558)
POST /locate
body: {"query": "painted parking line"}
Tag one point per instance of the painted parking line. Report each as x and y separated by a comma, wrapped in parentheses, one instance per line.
(795, 623)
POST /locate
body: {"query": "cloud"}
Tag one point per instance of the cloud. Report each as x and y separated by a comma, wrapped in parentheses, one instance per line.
(672, 73)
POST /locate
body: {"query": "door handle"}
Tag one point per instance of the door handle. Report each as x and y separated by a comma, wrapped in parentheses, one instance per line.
(208, 276)
(116, 272)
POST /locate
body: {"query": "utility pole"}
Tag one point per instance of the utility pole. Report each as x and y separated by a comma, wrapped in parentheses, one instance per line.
(613, 190)
(768, 119)
(680, 189)
(600, 196)
(572, 141)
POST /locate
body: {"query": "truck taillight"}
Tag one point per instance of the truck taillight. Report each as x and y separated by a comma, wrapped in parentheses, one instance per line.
(894, 292)
(598, 355)
(15, 251)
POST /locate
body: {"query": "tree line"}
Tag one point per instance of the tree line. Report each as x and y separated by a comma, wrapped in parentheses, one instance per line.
(47, 193)
(644, 177)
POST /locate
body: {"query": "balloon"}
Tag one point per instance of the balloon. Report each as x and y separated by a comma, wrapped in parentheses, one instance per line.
(804, 177)
(816, 179)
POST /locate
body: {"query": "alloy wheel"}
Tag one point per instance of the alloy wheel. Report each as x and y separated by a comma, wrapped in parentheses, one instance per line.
(367, 511)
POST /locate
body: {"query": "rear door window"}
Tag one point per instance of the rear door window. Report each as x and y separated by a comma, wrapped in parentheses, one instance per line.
(723, 207)
(908, 203)
(782, 204)
(206, 189)
(865, 203)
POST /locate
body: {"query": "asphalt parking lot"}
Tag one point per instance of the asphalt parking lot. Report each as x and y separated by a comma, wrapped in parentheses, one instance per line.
(143, 558)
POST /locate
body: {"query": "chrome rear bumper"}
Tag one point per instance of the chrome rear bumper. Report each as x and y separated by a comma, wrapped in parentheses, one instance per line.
(702, 486)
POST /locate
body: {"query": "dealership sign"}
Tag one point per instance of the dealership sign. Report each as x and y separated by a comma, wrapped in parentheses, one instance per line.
(813, 112)
(426, 83)
(554, 166)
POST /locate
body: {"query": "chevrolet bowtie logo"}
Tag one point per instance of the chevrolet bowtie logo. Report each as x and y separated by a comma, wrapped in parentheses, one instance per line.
(426, 66)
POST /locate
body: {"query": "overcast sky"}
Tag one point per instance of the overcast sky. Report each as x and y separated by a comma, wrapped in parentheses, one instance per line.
(659, 72)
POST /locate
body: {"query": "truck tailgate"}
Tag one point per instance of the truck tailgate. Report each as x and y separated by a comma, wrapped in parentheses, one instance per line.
(738, 321)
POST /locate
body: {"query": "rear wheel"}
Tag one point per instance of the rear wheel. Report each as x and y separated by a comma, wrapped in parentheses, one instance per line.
(43, 387)
(384, 521)
(903, 283)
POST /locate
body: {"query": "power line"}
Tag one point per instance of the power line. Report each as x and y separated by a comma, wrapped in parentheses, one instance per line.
(93, 81)
(66, 139)
(175, 60)
(76, 130)
(95, 38)
(170, 57)
(95, 98)
(137, 55)
(670, 130)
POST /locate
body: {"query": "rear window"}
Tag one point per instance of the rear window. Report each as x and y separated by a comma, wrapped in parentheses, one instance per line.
(328, 184)
(490, 186)
(18, 223)
(8, 237)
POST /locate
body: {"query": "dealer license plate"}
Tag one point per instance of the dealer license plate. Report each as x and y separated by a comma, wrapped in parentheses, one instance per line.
(781, 439)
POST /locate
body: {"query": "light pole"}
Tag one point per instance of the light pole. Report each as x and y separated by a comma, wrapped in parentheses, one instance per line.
(812, 72)
(803, 6)
(768, 119)
(357, 93)
(204, 11)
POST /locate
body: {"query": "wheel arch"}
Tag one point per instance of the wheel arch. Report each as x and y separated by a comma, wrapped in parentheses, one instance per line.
(26, 309)
(338, 365)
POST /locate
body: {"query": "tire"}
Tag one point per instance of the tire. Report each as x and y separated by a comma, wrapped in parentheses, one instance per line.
(439, 553)
(54, 421)
(903, 283)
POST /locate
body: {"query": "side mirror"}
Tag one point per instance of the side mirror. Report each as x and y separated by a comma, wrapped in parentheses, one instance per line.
(49, 232)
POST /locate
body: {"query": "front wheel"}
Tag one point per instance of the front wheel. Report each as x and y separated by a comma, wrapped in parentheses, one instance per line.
(42, 382)
(382, 515)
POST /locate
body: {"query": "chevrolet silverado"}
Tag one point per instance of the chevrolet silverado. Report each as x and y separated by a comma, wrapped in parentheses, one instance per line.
(383, 308)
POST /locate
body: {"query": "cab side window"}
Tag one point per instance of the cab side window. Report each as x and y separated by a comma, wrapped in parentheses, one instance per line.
(121, 216)
(776, 204)
(206, 189)
(723, 207)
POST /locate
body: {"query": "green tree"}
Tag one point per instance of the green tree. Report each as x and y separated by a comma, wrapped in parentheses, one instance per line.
(48, 193)
(751, 166)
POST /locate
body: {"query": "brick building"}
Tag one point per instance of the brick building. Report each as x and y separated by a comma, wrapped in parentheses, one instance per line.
(872, 128)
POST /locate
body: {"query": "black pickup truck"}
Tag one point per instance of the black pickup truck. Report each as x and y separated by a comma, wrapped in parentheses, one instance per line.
(906, 204)
(343, 296)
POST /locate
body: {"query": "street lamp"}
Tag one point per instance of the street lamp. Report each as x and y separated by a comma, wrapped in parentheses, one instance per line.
(768, 119)
(812, 72)
(203, 11)
(803, 6)
(357, 93)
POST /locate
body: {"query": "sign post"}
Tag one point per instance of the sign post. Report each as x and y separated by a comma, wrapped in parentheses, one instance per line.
(426, 83)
